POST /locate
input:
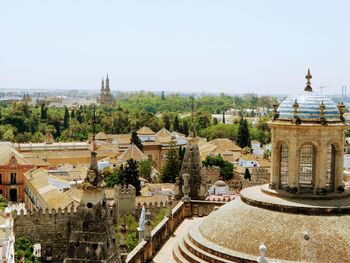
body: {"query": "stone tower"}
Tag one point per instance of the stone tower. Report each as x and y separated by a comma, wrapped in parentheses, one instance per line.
(105, 93)
(192, 165)
(91, 229)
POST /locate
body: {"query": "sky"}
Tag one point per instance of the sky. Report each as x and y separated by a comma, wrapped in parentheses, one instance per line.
(229, 46)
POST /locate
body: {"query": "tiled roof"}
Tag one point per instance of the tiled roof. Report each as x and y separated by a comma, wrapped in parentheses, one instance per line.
(37, 161)
(163, 133)
(54, 198)
(6, 153)
(226, 144)
(101, 136)
(145, 131)
(133, 152)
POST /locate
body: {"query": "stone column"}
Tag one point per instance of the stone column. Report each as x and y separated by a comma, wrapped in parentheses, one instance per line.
(339, 168)
(148, 226)
(274, 179)
(321, 168)
(186, 188)
(293, 162)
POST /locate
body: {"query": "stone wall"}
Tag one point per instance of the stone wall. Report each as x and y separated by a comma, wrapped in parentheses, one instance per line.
(148, 247)
(154, 208)
(49, 228)
(125, 199)
(211, 173)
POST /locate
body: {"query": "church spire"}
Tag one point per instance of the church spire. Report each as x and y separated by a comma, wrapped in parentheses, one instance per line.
(107, 84)
(102, 85)
(308, 83)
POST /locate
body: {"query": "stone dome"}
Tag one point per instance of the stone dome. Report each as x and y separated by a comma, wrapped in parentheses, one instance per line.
(220, 183)
(293, 230)
(309, 103)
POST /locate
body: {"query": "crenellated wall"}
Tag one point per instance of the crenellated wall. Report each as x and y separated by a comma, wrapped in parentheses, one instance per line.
(125, 199)
(49, 228)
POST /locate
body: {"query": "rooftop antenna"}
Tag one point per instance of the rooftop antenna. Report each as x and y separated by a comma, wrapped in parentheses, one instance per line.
(323, 87)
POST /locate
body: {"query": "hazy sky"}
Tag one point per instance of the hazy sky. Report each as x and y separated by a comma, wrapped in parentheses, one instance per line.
(175, 45)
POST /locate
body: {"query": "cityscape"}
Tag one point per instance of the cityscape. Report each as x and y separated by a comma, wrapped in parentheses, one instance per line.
(174, 132)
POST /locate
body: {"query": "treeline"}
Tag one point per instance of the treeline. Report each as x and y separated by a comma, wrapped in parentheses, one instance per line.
(20, 122)
(151, 102)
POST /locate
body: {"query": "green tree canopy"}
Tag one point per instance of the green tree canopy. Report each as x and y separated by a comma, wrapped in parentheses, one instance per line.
(136, 140)
(226, 167)
(171, 168)
(243, 137)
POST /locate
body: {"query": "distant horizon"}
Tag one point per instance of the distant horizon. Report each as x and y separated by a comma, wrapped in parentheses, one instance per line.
(263, 47)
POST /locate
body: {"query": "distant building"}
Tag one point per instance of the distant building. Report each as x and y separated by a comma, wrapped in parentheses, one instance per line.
(155, 145)
(105, 93)
(12, 168)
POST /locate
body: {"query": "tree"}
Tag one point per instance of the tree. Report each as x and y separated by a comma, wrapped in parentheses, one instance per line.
(223, 117)
(129, 175)
(72, 114)
(176, 124)
(9, 136)
(185, 127)
(215, 121)
(247, 175)
(181, 154)
(171, 168)
(136, 140)
(166, 120)
(226, 167)
(66, 118)
(111, 176)
(80, 116)
(43, 112)
(145, 168)
(3, 203)
(24, 250)
(243, 137)
(163, 95)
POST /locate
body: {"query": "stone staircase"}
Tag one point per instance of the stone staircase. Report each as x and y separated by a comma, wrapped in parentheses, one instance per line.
(193, 248)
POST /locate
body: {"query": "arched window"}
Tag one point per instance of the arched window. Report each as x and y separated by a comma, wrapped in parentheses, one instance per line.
(330, 179)
(283, 165)
(307, 167)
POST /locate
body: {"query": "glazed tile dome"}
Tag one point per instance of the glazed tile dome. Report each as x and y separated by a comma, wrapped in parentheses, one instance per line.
(309, 103)
(309, 106)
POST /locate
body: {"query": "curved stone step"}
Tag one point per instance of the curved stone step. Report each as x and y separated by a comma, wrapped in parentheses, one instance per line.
(178, 256)
(204, 255)
(187, 254)
(224, 254)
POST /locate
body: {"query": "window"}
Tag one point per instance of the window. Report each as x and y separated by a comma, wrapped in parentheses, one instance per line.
(307, 166)
(13, 178)
(0, 178)
(330, 176)
(283, 165)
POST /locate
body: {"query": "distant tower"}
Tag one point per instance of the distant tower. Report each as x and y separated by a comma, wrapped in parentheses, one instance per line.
(105, 94)
(107, 85)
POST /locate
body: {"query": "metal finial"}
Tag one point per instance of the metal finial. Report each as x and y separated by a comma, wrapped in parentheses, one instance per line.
(308, 82)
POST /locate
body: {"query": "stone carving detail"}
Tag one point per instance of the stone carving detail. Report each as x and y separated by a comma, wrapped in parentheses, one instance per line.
(186, 188)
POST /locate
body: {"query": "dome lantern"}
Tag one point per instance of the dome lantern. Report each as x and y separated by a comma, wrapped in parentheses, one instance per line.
(308, 83)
